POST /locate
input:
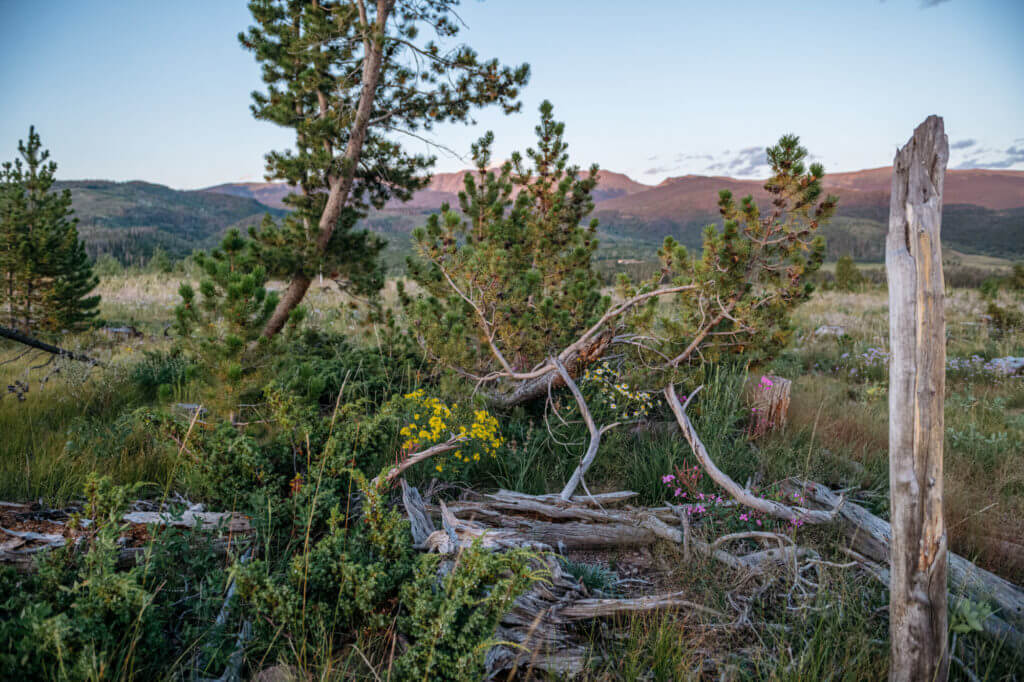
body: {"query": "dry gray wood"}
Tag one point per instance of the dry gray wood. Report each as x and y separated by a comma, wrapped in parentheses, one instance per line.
(871, 536)
(408, 460)
(420, 524)
(771, 404)
(584, 609)
(536, 634)
(595, 433)
(742, 495)
(233, 522)
(917, 373)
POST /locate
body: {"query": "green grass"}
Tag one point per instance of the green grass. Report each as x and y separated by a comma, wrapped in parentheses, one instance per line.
(74, 420)
(836, 434)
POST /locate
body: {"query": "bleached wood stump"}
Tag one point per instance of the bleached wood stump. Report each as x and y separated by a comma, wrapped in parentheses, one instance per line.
(917, 380)
(770, 405)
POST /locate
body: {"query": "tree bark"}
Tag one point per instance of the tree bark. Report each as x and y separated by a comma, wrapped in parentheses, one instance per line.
(341, 186)
(917, 374)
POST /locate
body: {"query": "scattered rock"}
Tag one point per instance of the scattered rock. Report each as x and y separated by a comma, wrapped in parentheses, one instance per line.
(1008, 365)
(280, 673)
(122, 332)
(830, 330)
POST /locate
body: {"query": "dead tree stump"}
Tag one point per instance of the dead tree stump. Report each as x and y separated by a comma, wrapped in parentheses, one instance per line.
(769, 405)
(917, 378)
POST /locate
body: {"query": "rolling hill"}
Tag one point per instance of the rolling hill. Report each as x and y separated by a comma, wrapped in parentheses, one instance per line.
(129, 220)
(984, 213)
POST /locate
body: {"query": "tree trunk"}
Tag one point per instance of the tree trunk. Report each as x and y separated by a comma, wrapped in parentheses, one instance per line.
(917, 373)
(341, 186)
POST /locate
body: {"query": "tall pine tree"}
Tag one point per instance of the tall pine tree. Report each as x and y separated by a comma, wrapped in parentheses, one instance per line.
(46, 274)
(347, 76)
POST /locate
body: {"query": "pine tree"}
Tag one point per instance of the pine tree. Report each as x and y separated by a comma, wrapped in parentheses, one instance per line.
(222, 325)
(508, 278)
(752, 273)
(510, 300)
(46, 273)
(347, 77)
(848, 277)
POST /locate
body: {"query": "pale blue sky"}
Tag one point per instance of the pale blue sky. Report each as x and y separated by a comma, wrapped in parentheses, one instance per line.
(159, 91)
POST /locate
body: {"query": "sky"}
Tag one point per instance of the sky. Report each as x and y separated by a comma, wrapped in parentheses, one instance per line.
(160, 91)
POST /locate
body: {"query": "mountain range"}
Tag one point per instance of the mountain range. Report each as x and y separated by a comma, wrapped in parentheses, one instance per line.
(983, 209)
(983, 213)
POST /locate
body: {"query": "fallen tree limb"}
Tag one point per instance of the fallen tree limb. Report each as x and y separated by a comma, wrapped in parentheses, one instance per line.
(871, 536)
(21, 557)
(538, 629)
(583, 609)
(18, 337)
(595, 433)
(232, 522)
(396, 471)
(742, 495)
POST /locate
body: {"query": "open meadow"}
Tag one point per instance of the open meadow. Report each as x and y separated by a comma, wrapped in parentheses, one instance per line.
(126, 421)
(450, 341)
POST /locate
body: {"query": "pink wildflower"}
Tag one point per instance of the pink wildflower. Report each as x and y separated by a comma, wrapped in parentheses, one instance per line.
(667, 478)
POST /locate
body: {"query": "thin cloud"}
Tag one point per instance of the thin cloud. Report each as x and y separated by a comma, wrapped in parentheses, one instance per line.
(693, 157)
(925, 4)
(963, 144)
(658, 170)
(1011, 156)
(749, 161)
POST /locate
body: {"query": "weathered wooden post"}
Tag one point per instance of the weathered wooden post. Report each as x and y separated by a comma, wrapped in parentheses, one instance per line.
(917, 379)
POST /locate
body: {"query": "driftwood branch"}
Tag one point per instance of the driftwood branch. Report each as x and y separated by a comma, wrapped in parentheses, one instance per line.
(595, 432)
(583, 609)
(537, 632)
(416, 457)
(20, 553)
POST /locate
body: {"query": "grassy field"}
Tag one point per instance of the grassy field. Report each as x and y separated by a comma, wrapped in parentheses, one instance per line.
(84, 420)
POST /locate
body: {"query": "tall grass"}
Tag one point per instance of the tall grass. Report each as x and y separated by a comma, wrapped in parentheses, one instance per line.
(43, 432)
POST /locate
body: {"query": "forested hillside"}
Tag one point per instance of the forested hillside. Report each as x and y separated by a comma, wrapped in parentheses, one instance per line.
(129, 220)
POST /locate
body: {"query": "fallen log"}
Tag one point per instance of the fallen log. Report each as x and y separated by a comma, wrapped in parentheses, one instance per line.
(229, 521)
(871, 536)
(537, 632)
(771, 508)
(26, 544)
(584, 609)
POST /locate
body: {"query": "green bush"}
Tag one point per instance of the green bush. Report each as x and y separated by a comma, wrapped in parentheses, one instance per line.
(363, 574)
(848, 277)
(79, 618)
(158, 369)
